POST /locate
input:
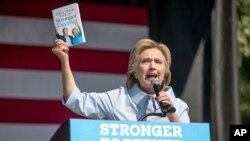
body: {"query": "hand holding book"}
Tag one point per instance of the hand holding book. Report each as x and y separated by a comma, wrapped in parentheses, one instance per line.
(68, 25)
(61, 49)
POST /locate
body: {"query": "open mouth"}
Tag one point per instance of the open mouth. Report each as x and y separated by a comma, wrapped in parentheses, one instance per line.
(151, 76)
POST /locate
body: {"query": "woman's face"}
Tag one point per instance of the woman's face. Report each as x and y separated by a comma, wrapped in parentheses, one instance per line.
(151, 65)
(74, 32)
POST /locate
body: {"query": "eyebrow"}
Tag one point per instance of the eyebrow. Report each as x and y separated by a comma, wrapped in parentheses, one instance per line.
(152, 58)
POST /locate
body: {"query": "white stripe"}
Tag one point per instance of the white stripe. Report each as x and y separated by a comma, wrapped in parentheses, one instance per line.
(41, 32)
(27, 132)
(48, 84)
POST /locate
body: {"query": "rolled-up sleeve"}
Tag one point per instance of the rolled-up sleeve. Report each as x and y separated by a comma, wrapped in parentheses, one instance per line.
(93, 105)
(182, 111)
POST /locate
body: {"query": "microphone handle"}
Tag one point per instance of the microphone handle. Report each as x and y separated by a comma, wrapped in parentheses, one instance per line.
(165, 108)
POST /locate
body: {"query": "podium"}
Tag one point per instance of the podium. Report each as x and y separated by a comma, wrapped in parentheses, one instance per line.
(107, 130)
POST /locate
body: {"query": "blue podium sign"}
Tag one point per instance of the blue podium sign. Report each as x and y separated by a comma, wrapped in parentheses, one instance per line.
(106, 130)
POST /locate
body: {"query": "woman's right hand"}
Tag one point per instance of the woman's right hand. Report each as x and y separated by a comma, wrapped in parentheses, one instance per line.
(61, 49)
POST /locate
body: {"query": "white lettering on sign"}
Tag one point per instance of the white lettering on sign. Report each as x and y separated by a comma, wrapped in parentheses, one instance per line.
(135, 130)
(115, 139)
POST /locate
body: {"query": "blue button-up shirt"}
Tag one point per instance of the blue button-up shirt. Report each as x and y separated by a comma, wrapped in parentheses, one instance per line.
(122, 104)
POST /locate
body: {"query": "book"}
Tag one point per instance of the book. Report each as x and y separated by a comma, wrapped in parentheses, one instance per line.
(68, 24)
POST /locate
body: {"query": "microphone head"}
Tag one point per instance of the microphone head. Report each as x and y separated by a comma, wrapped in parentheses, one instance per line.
(155, 81)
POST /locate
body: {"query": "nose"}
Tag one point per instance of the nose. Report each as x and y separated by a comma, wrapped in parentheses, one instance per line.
(152, 65)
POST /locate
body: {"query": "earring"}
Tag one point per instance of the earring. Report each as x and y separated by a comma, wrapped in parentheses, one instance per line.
(135, 75)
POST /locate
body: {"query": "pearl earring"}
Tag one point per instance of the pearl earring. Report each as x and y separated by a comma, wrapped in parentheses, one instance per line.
(135, 75)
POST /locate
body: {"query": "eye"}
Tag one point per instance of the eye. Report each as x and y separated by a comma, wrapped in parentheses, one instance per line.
(158, 61)
(145, 61)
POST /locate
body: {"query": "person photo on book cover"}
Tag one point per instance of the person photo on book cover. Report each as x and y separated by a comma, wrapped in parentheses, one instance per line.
(148, 60)
(65, 37)
(77, 33)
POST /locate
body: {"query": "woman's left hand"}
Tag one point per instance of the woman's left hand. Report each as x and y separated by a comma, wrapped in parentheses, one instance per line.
(164, 98)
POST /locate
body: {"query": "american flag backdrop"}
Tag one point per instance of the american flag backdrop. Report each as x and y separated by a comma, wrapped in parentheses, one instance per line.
(30, 77)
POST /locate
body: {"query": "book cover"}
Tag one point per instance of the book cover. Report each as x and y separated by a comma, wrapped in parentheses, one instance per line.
(68, 24)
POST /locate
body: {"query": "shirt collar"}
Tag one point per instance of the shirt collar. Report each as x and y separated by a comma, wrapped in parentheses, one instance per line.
(139, 97)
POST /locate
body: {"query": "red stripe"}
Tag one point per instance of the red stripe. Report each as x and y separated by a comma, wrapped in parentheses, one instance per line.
(41, 58)
(90, 12)
(34, 111)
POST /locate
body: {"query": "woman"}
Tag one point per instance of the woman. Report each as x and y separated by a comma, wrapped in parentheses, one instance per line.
(148, 60)
(77, 39)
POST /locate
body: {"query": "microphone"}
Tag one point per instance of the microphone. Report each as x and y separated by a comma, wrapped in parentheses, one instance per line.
(165, 108)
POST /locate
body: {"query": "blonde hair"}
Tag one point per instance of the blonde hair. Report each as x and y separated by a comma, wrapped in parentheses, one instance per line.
(75, 29)
(134, 60)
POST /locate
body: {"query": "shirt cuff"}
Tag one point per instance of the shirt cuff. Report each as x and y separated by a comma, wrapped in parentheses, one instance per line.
(72, 97)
